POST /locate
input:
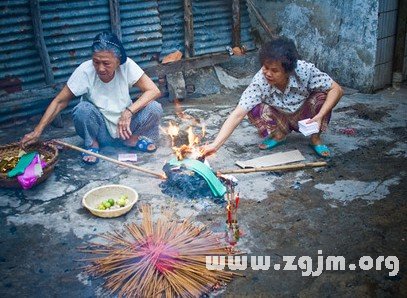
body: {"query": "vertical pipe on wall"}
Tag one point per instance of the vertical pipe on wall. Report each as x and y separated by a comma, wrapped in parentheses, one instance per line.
(236, 23)
(114, 9)
(399, 48)
(42, 49)
(188, 29)
(40, 41)
(261, 19)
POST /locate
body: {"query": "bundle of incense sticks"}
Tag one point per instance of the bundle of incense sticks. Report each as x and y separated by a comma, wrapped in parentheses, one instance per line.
(158, 259)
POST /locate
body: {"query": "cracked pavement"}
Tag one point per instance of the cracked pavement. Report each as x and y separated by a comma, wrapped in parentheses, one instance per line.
(355, 206)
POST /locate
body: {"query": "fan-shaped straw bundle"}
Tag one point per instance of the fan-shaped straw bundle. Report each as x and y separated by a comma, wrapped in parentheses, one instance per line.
(165, 258)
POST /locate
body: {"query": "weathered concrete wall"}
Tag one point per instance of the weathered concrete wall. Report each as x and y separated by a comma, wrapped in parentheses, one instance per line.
(339, 36)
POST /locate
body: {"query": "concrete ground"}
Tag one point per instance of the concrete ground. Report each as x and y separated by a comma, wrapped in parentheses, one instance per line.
(354, 207)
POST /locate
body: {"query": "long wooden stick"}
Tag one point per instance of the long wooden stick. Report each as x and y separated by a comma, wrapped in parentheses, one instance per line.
(261, 19)
(188, 29)
(296, 166)
(124, 164)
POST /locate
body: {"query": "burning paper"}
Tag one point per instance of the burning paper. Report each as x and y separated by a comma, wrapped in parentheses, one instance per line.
(188, 175)
(189, 149)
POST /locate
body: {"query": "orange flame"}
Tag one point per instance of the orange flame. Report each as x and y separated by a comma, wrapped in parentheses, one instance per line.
(203, 129)
(192, 149)
(173, 131)
(192, 138)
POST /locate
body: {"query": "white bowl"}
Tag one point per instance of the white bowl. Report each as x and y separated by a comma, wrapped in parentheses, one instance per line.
(92, 199)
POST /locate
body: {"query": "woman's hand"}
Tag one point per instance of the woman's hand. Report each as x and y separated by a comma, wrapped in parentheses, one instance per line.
(208, 149)
(333, 95)
(29, 139)
(317, 119)
(57, 105)
(123, 126)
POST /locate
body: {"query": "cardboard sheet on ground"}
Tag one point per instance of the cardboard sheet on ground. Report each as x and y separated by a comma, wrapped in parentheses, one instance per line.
(275, 159)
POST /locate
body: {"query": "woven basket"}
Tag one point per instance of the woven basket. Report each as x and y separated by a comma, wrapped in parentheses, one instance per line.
(49, 151)
(94, 197)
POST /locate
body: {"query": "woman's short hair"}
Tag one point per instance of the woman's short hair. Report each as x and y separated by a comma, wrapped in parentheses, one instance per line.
(107, 41)
(280, 49)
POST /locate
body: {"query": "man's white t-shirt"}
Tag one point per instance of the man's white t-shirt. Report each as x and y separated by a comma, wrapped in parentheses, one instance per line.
(110, 98)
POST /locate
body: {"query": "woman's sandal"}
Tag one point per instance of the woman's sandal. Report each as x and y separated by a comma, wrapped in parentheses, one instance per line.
(271, 143)
(320, 149)
(94, 150)
(143, 143)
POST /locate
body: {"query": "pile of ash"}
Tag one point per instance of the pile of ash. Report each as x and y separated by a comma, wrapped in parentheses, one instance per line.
(184, 183)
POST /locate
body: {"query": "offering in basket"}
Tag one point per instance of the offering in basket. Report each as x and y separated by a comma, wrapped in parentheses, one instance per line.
(26, 169)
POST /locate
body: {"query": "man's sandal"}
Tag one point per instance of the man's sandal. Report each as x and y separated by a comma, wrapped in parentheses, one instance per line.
(321, 150)
(270, 143)
(93, 162)
(143, 143)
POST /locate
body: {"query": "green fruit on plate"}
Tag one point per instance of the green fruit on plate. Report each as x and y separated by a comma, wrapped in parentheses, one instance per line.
(121, 202)
(107, 204)
(111, 201)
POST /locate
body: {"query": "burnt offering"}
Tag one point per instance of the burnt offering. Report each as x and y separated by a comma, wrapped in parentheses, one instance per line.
(184, 183)
(191, 179)
(187, 175)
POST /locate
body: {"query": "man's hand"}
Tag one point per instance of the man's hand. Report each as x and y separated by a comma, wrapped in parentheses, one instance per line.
(123, 126)
(30, 138)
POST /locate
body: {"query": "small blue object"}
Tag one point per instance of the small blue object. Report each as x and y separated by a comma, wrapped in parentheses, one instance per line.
(296, 185)
(271, 143)
(94, 150)
(217, 188)
(143, 143)
(320, 149)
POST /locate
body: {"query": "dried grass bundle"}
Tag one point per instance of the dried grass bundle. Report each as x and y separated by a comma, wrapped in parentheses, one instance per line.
(165, 258)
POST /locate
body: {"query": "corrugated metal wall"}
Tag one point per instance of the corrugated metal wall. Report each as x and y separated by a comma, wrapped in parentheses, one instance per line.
(245, 27)
(150, 29)
(20, 66)
(172, 22)
(213, 26)
(385, 42)
(69, 28)
(405, 59)
(141, 31)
